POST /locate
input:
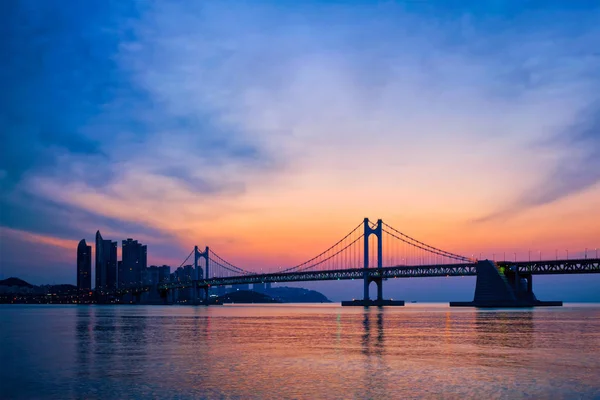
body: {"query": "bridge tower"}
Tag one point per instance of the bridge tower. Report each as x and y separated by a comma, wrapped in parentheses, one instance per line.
(368, 275)
(368, 231)
(197, 255)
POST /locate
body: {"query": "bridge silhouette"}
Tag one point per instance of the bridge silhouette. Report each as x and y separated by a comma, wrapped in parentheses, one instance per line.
(375, 252)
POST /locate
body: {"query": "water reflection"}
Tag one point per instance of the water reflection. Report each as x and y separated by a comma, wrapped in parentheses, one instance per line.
(373, 343)
(84, 342)
(373, 348)
(303, 352)
(130, 340)
(504, 328)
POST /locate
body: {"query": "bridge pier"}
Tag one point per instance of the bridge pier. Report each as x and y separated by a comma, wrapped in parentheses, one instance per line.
(366, 301)
(500, 288)
(165, 295)
(379, 283)
(198, 299)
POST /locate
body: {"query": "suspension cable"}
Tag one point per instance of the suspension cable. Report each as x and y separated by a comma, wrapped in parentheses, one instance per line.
(449, 255)
(322, 253)
(224, 266)
(187, 258)
(229, 264)
(331, 256)
(424, 244)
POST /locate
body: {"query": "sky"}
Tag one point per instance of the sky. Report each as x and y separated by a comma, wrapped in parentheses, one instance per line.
(267, 130)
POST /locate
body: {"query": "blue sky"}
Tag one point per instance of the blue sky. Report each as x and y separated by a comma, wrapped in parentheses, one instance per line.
(245, 126)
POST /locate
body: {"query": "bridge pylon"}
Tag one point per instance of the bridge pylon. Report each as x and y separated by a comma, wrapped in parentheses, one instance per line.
(197, 255)
(367, 277)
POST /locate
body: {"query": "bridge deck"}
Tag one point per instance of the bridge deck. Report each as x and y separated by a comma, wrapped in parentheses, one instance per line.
(581, 266)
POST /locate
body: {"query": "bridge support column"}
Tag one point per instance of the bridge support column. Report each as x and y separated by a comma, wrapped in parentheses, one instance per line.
(198, 299)
(367, 273)
(201, 293)
(501, 288)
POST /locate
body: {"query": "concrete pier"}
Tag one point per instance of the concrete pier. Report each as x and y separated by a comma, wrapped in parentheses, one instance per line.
(500, 288)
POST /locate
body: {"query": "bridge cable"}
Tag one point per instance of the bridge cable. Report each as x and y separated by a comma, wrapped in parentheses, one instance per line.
(290, 269)
(424, 244)
(187, 258)
(448, 255)
(243, 271)
(331, 256)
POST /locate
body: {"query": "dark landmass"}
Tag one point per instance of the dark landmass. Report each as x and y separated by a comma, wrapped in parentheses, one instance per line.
(62, 288)
(17, 291)
(287, 294)
(274, 295)
(15, 282)
(246, 296)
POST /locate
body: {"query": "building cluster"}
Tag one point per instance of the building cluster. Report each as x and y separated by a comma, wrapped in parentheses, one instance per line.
(132, 271)
(111, 274)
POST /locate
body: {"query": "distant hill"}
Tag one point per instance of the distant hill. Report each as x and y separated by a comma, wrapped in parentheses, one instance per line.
(246, 296)
(61, 288)
(287, 294)
(283, 294)
(15, 282)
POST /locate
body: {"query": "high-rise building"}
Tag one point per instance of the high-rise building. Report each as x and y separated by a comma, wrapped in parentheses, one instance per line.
(154, 275)
(150, 275)
(106, 263)
(111, 276)
(133, 266)
(84, 267)
(187, 273)
(120, 273)
(164, 273)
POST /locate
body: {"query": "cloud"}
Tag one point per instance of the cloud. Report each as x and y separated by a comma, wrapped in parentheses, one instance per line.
(39, 239)
(327, 89)
(574, 171)
(75, 124)
(188, 122)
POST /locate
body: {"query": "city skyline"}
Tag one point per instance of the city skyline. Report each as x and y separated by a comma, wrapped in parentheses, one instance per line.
(300, 199)
(269, 137)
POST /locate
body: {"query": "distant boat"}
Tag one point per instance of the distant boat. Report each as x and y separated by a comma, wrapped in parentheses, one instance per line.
(413, 301)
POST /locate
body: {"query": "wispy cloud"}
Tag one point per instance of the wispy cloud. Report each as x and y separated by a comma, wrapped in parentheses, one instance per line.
(194, 121)
(574, 170)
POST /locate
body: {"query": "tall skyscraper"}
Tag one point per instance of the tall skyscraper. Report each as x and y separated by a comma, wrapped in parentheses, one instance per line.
(120, 273)
(164, 273)
(111, 275)
(106, 263)
(84, 267)
(134, 263)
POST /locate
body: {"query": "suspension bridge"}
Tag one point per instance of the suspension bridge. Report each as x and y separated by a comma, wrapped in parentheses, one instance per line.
(375, 252)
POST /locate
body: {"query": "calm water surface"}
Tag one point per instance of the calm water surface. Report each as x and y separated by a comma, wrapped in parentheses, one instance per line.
(298, 351)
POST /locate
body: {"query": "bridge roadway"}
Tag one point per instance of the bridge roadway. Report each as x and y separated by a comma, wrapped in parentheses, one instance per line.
(555, 267)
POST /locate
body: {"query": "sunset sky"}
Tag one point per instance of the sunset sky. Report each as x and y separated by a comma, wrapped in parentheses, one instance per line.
(268, 130)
